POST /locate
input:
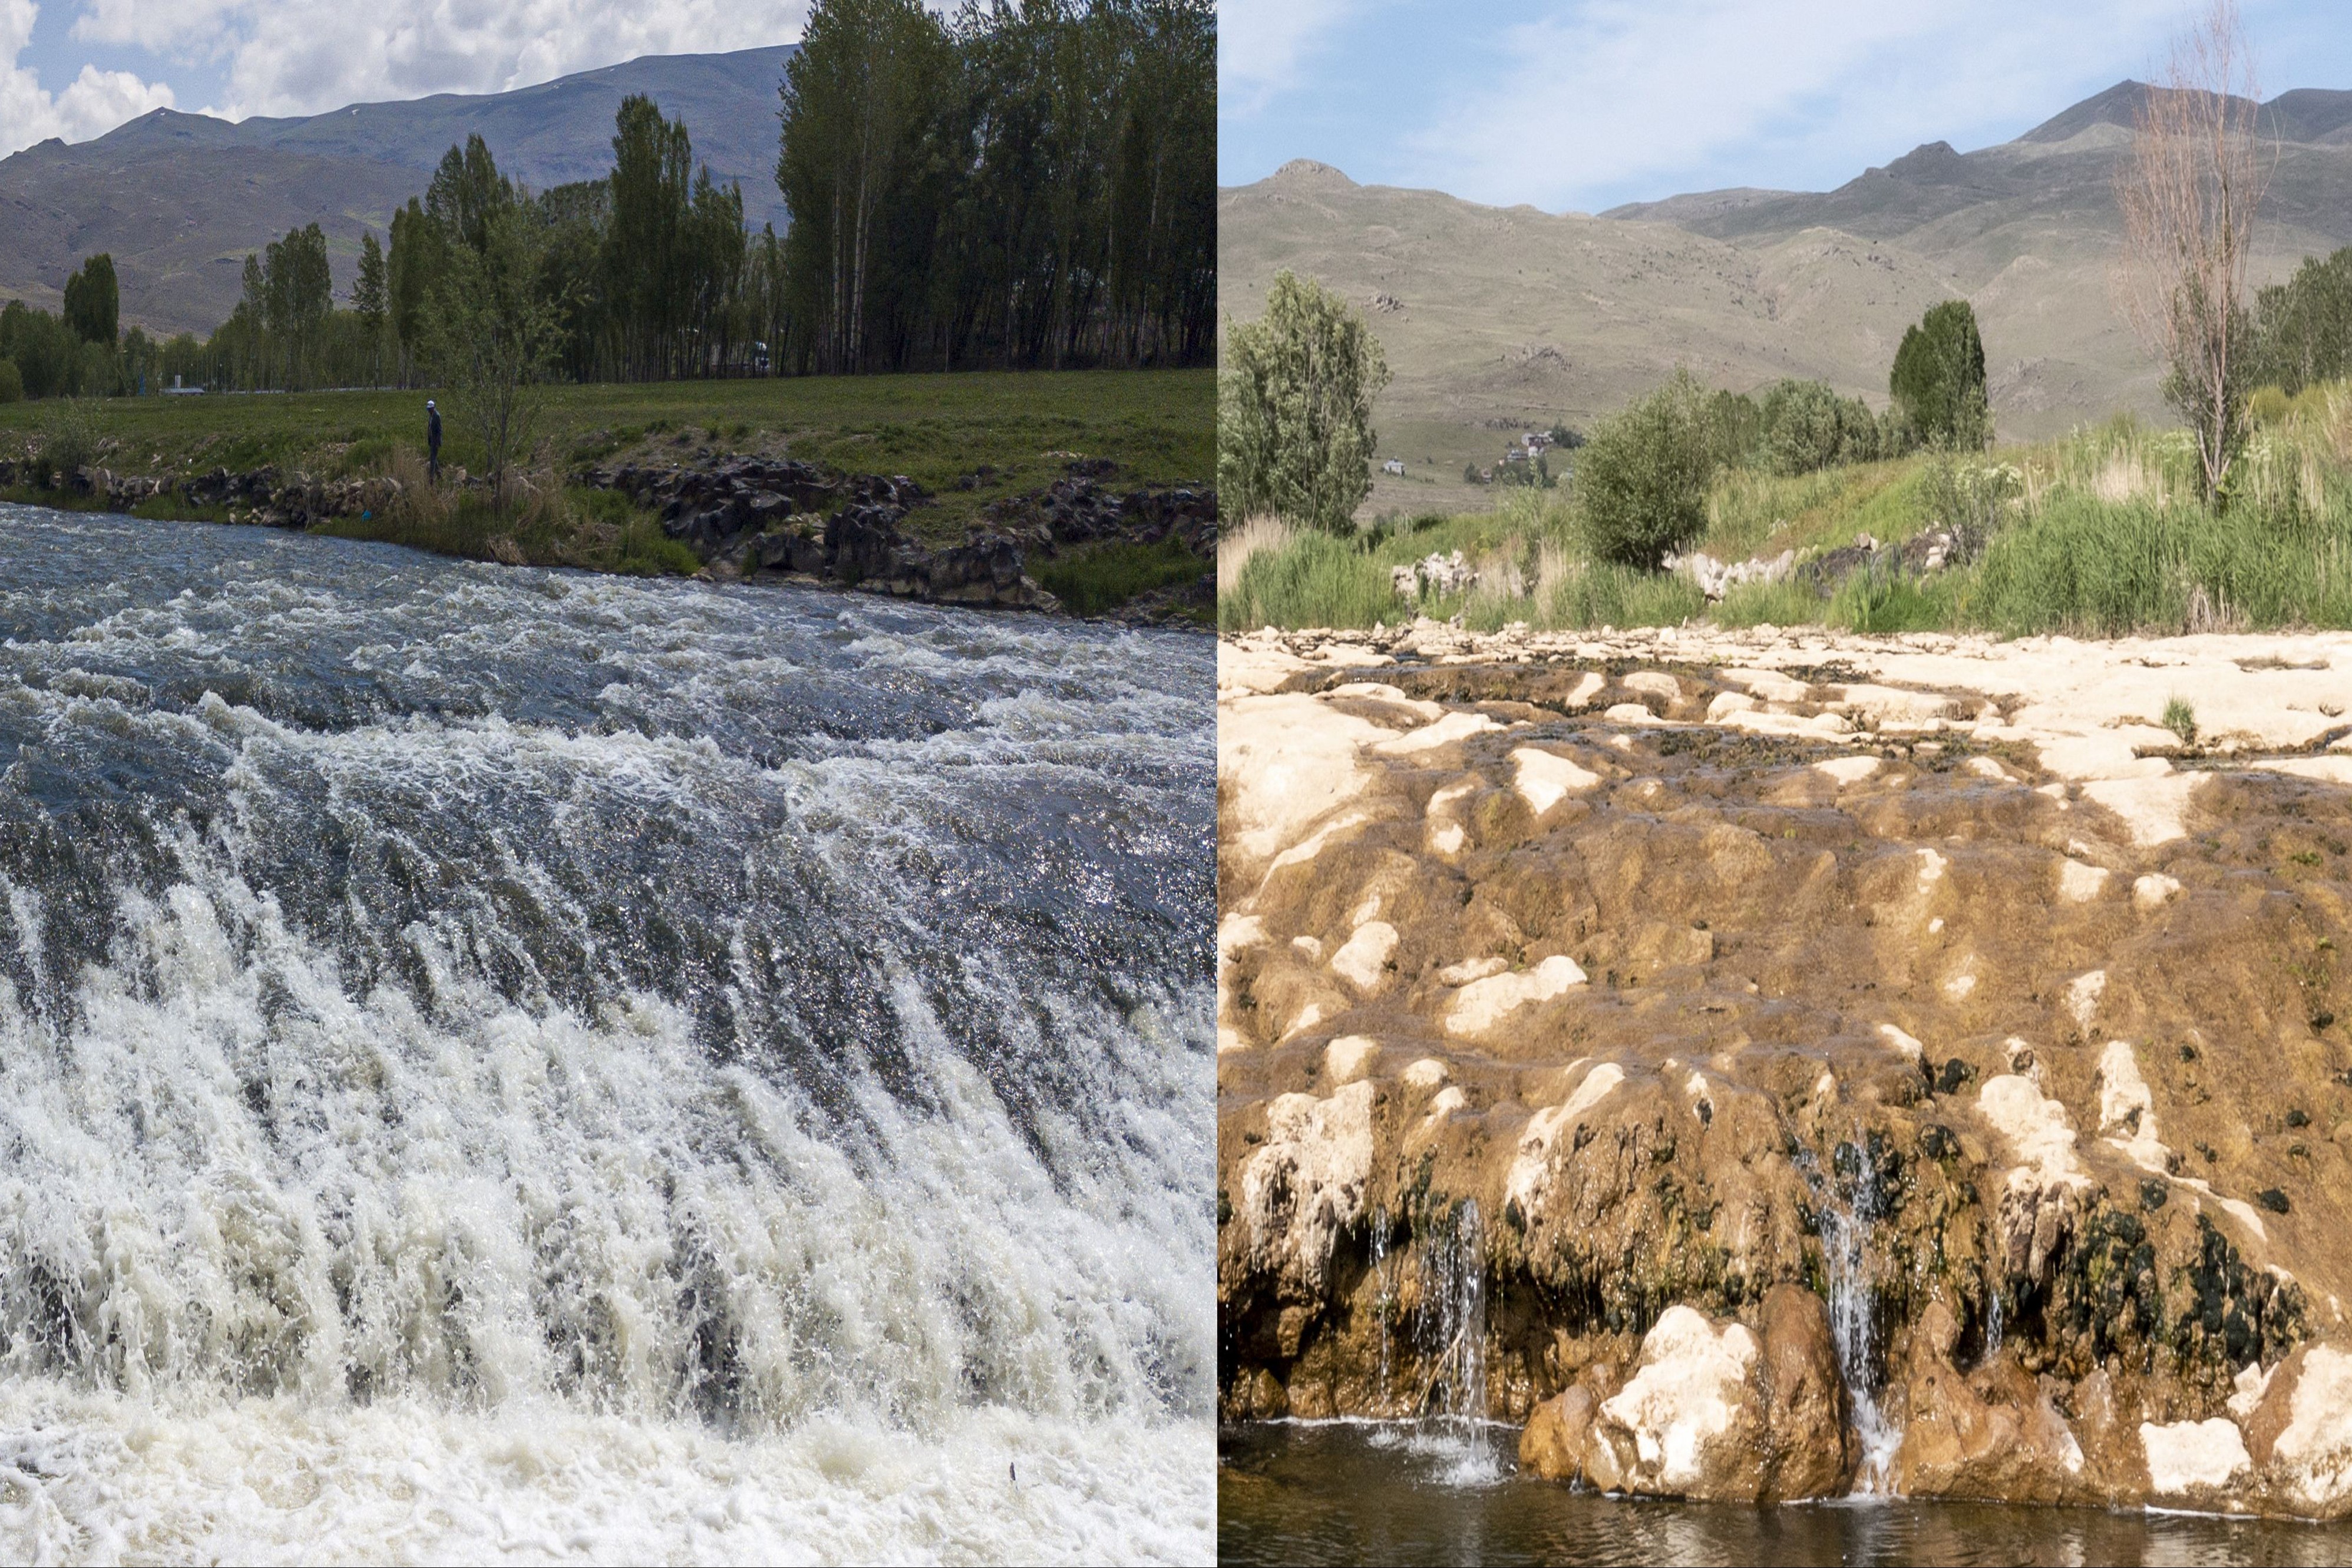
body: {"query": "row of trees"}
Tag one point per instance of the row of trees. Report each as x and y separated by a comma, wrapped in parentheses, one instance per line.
(1295, 423)
(77, 351)
(1025, 184)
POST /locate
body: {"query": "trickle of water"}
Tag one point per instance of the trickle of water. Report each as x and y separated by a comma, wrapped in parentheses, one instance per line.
(1993, 1320)
(1383, 1303)
(1454, 1320)
(1847, 1212)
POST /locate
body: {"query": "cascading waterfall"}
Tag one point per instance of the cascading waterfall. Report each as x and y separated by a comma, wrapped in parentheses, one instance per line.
(1847, 1209)
(646, 1071)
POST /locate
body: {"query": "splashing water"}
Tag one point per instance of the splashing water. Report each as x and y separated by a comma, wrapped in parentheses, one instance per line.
(498, 1063)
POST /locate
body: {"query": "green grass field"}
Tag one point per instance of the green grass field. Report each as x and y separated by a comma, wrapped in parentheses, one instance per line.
(1157, 426)
(2100, 533)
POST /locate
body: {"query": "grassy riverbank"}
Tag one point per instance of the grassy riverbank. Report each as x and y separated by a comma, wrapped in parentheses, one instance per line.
(2099, 533)
(1005, 433)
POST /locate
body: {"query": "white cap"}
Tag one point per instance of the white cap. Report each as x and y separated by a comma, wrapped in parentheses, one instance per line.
(428, 403)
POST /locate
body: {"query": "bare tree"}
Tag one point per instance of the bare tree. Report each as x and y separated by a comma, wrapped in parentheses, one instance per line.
(2188, 192)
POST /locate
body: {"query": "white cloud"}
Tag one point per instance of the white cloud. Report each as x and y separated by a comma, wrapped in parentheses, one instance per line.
(301, 57)
(1616, 91)
(1263, 45)
(93, 103)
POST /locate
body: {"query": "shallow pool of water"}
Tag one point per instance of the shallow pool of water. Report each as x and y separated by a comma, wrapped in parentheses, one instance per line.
(1308, 1492)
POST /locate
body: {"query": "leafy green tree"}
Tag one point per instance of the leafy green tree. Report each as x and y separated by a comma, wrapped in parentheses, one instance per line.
(298, 291)
(652, 163)
(93, 302)
(1734, 429)
(857, 99)
(420, 254)
(2302, 327)
(1642, 480)
(1938, 378)
(12, 385)
(467, 194)
(47, 354)
(370, 303)
(1294, 408)
(493, 339)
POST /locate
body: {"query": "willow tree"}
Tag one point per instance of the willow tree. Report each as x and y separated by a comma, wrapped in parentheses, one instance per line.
(2188, 192)
(1295, 399)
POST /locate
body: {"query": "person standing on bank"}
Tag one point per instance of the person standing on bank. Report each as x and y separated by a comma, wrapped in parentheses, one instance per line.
(432, 442)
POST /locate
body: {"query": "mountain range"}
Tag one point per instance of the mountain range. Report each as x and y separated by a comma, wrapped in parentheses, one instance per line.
(180, 199)
(1493, 318)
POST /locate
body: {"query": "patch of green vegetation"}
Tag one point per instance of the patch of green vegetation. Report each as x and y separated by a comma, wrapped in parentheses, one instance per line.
(1879, 599)
(1603, 593)
(1156, 426)
(1317, 579)
(2182, 720)
(1093, 580)
(2100, 534)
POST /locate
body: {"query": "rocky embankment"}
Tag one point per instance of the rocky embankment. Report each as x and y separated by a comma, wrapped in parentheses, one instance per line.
(263, 495)
(755, 518)
(1767, 1065)
(749, 517)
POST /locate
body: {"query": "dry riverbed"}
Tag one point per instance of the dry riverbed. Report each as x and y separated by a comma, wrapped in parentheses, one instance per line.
(1691, 1043)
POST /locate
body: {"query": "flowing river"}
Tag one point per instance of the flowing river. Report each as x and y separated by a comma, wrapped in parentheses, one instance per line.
(501, 1063)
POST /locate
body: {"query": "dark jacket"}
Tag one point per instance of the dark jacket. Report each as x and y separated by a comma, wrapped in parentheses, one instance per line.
(433, 428)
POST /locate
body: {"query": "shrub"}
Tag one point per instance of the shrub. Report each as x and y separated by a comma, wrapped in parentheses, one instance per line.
(1642, 480)
(69, 437)
(12, 385)
(2180, 719)
(1808, 427)
(1969, 500)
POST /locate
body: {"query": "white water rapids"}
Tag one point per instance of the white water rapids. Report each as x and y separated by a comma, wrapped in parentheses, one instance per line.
(496, 1063)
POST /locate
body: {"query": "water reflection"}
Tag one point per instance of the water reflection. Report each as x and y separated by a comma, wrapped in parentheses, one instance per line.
(1382, 1492)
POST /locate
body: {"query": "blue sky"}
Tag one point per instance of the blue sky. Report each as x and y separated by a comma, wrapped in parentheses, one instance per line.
(1578, 105)
(77, 68)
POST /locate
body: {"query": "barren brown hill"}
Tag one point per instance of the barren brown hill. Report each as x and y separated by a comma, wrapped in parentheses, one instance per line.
(1494, 318)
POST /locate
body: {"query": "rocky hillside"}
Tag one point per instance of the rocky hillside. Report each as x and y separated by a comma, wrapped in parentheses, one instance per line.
(1516, 316)
(1764, 1065)
(179, 199)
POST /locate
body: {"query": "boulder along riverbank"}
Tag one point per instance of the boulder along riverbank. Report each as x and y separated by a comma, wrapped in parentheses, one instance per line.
(1771, 1064)
(759, 518)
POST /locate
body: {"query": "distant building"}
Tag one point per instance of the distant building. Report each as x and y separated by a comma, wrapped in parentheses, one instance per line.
(1393, 466)
(1537, 439)
(1515, 454)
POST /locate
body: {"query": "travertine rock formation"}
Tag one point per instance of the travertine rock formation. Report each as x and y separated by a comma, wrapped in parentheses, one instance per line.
(1762, 1064)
